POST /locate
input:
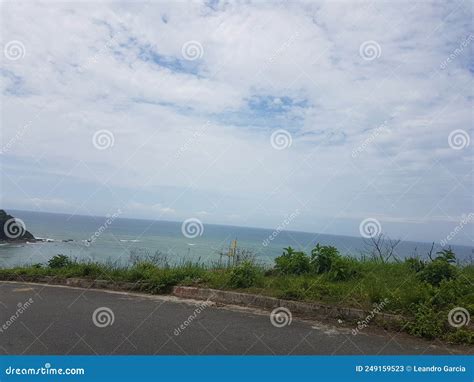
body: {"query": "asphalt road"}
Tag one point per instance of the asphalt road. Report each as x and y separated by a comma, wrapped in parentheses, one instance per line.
(60, 320)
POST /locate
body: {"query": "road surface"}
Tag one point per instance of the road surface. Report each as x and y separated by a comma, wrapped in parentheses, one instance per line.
(61, 320)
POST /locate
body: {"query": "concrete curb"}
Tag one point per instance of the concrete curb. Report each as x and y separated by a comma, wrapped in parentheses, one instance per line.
(297, 308)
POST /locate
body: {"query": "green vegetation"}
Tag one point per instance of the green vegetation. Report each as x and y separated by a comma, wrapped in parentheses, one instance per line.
(245, 275)
(58, 261)
(423, 291)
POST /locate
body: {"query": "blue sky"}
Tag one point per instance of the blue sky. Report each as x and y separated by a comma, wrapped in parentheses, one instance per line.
(193, 94)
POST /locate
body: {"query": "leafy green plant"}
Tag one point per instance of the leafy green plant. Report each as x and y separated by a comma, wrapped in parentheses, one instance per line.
(59, 261)
(343, 269)
(446, 255)
(437, 271)
(292, 262)
(323, 257)
(427, 322)
(453, 292)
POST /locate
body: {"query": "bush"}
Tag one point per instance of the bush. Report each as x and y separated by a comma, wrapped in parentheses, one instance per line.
(453, 292)
(292, 262)
(245, 275)
(437, 271)
(343, 269)
(414, 264)
(323, 257)
(427, 323)
(446, 255)
(59, 261)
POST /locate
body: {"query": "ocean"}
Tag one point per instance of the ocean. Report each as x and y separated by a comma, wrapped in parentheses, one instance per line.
(92, 238)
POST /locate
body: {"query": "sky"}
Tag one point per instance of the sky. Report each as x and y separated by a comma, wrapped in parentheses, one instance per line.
(317, 116)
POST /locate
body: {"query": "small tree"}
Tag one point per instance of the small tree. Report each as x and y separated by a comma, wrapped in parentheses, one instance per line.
(292, 262)
(381, 248)
(323, 257)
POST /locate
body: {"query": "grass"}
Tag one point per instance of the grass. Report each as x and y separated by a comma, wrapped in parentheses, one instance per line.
(426, 292)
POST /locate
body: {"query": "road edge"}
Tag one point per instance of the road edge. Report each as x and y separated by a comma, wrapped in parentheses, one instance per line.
(307, 310)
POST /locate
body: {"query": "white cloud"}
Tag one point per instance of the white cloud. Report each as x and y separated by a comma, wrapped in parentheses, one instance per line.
(119, 66)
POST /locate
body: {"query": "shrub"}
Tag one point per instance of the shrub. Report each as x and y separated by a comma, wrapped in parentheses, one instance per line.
(343, 269)
(437, 271)
(59, 261)
(323, 257)
(245, 275)
(446, 255)
(427, 322)
(414, 264)
(453, 292)
(292, 262)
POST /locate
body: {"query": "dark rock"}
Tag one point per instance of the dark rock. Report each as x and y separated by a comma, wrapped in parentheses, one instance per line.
(12, 229)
